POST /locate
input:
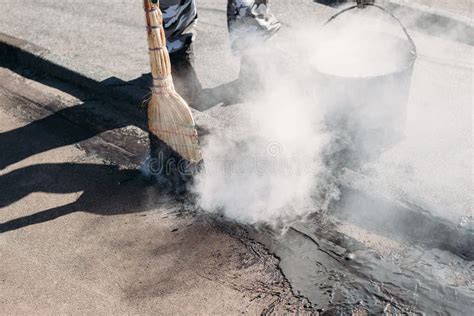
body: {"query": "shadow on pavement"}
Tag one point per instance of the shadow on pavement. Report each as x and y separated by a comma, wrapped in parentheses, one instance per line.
(106, 190)
(51, 132)
(224, 95)
(81, 122)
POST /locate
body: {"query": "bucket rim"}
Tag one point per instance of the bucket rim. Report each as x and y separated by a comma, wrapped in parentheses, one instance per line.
(407, 66)
(413, 49)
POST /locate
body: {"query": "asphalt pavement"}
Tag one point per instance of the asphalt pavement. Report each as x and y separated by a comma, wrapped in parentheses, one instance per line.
(430, 172)
(82, 233)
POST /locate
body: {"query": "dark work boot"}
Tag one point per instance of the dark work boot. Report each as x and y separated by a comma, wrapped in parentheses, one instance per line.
(250, 23)
(167, 169)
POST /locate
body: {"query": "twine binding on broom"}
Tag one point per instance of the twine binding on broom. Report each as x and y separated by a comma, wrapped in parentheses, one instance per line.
(163, 85)
(153, 27)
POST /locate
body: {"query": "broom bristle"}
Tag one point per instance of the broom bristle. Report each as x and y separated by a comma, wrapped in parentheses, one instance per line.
(170, 119)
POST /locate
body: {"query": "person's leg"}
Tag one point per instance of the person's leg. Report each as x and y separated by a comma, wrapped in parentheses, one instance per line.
(179, 20)
(250, 21)
(250, 24)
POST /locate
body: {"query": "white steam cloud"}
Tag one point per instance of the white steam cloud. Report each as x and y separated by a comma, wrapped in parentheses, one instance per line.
(295, 134)
(267, 172)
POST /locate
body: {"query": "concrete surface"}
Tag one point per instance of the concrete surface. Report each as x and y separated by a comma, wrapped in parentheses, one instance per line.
(434, 17)
(79, 236)
(460, 9)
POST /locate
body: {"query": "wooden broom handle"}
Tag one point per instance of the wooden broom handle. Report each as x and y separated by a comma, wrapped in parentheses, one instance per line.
(159, 56)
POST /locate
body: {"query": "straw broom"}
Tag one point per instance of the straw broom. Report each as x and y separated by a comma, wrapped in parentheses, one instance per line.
(169, 116)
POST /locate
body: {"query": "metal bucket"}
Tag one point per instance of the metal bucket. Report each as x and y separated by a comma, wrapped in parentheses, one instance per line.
(369, 111)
